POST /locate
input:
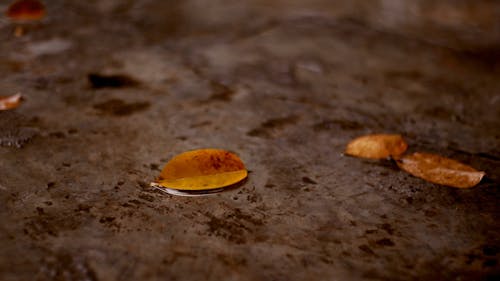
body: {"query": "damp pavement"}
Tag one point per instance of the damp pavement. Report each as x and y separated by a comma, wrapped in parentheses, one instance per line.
(113, 89)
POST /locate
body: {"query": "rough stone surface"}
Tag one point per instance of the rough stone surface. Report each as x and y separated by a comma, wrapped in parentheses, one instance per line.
(285, 84)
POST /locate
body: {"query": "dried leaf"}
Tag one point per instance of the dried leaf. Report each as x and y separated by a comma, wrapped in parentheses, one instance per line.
(208, 170)
(10, 102)
(440, 170)
(377, 146)
(26, 10)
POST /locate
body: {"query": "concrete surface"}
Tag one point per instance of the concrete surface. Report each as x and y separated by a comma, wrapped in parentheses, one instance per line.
(285, 84)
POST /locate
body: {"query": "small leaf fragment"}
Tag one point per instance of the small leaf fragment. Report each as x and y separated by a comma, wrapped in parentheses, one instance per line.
(202, 170)
(377, 146)
(26, 10)
(10, 102)
(441, 170)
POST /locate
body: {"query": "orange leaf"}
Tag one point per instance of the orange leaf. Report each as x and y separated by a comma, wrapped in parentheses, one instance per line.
(26, 10)
(202, 170)
(10, 102)
(440, 170)
(377, 146)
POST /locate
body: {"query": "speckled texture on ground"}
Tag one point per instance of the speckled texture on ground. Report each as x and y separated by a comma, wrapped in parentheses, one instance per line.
(285, 85)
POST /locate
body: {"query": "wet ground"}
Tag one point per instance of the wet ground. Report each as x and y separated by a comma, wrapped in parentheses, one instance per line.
(285, 84)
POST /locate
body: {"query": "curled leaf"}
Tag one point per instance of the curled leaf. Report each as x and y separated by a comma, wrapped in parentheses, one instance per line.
(201, 171)
(377, 146)
(10, 102)
(26, 10)
(440, 170)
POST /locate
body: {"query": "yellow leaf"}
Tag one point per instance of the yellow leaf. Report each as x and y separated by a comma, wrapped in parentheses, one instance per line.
(377, 146)
(10, 102)
(440, 170)
(202, 170)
